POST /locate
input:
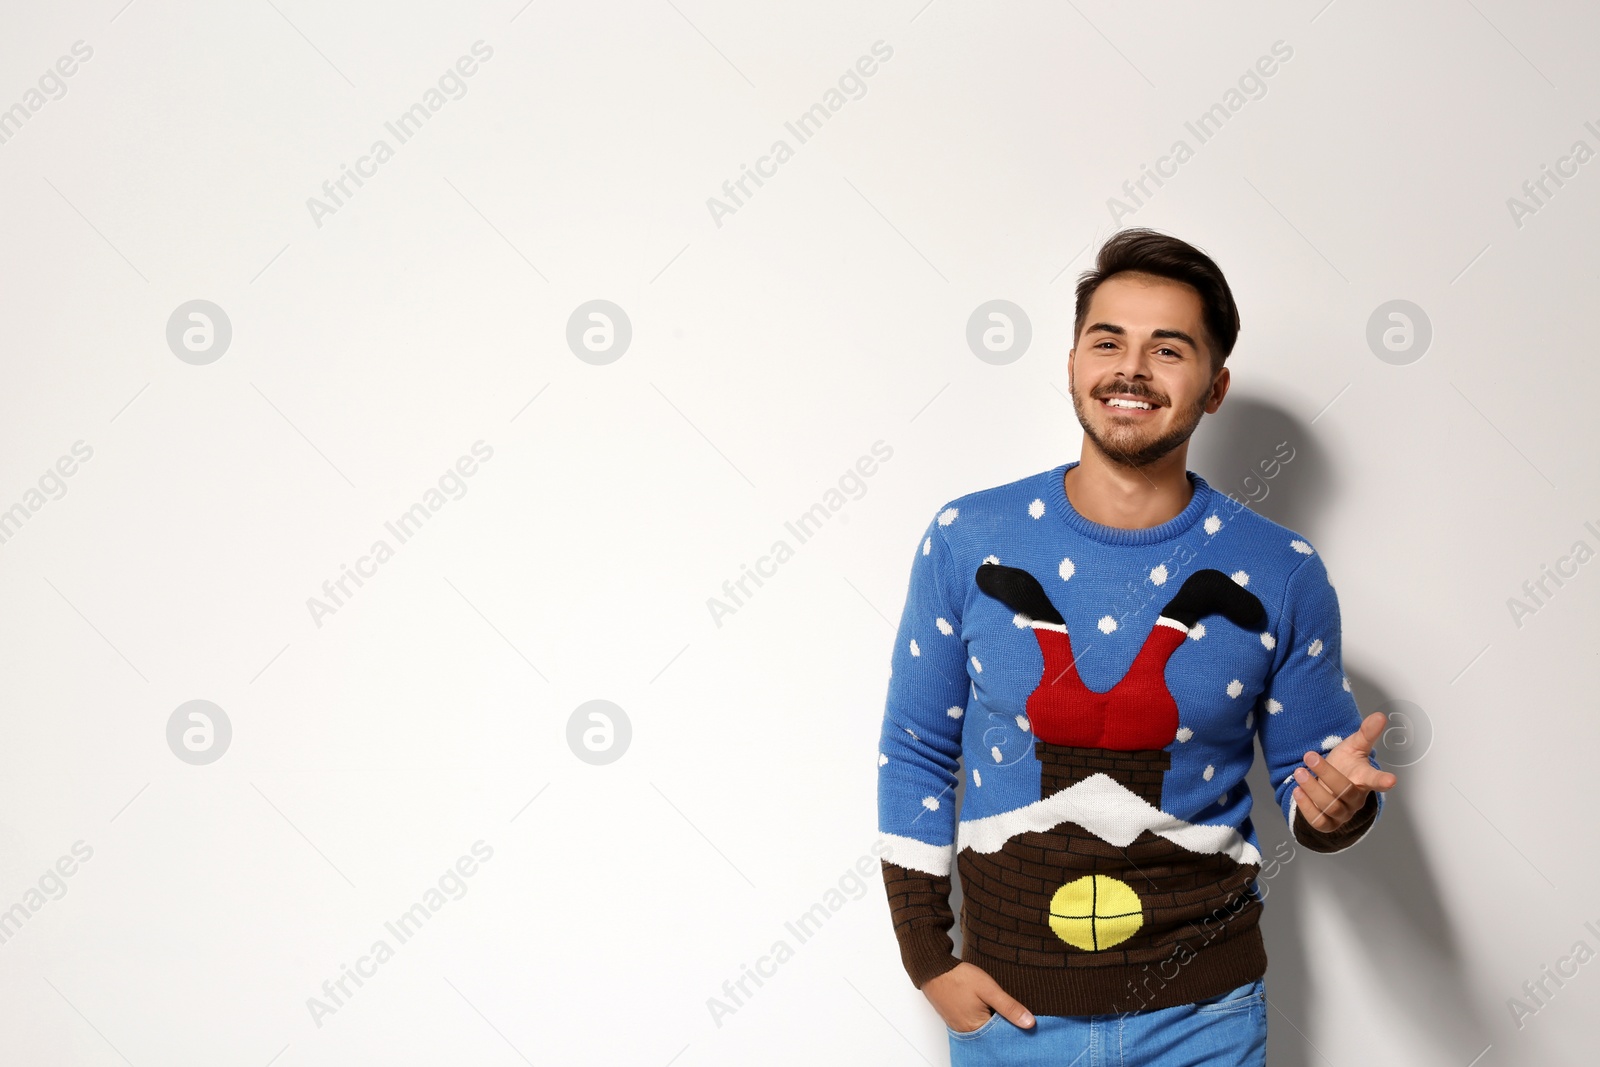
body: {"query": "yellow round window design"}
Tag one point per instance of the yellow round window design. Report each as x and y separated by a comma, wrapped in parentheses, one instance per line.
(1095, 912)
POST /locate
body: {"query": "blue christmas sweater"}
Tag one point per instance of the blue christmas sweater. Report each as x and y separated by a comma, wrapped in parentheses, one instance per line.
(1101, 691)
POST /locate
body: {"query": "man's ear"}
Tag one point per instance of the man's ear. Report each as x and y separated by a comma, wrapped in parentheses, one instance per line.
(1219, 387)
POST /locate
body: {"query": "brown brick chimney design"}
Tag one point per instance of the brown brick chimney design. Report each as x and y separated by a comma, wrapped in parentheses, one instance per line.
(1011, 889)
(1141, 771)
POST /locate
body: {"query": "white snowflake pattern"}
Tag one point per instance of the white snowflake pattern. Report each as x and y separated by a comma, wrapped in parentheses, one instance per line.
(1269, 642)
(1235, 687)
(1331, 742)
(1273, 706)
(1346, 684)
(1023, 724)
(955, 711)
(1107, 624)
(931, 803)
(1208, 772)
(1301, 547)
(882, 759)
(944, 626)
(1316, 648)
(995, 752)
(1213, 524)
(977, 779)
(915, 651)
(947, 516)
(1184, 733)
(1067, 569)
(992, 559)
(1241, 577)
(1158, 574)
(1036, 509)
(927, 545)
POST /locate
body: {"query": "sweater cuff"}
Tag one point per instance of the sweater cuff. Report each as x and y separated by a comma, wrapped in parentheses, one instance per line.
(1353, 830)
(926, 954)
(920, 905)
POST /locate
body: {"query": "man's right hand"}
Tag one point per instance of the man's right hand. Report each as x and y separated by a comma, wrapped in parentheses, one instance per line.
(964, 994)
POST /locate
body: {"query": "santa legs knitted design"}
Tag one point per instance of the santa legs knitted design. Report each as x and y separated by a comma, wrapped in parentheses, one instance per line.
(1068, 922)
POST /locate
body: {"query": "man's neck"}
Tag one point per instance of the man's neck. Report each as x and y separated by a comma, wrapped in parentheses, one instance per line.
(1129, 498)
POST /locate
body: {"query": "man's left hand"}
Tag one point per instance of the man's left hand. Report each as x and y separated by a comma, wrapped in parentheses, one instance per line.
(1334, 787)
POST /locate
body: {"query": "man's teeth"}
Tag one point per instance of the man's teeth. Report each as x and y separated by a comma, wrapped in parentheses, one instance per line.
(1118, 402)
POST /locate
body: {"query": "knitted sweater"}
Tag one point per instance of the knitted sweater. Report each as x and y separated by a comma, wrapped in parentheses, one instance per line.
(1098, 693)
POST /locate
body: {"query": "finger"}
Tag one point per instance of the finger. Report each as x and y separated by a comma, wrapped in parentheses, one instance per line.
(1313, 813)
(1348, 793)
(1357, 772)
(1310, 812)
(1369, 777)
(1316, 791)
(1321, 801)
(1005, 1003)
(1346, 761)
(1362, 740)
(1327, 772)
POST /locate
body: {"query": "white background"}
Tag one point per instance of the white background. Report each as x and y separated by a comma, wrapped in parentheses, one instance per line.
(769, 353)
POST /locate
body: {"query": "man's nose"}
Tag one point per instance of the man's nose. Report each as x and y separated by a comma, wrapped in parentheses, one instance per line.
(1132, 363)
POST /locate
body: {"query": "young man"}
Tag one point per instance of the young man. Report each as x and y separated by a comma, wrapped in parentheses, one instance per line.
(1097, 648)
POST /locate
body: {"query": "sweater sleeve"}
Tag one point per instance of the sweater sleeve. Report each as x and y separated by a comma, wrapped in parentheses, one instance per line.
(918, 758)
(1307, 704)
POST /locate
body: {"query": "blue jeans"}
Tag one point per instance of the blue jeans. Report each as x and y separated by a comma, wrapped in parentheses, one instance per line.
(1227, 1030)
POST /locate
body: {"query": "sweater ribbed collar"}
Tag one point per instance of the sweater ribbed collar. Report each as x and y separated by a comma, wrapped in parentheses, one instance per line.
(1176, 526)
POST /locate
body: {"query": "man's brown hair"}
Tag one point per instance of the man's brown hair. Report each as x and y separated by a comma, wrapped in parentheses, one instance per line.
(1149, 252)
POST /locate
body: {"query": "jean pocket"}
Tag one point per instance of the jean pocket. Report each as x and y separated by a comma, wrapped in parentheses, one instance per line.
(962, 1035)
(1248, 995)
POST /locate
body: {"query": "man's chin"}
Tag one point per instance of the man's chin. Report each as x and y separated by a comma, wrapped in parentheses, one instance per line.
(1136, 448)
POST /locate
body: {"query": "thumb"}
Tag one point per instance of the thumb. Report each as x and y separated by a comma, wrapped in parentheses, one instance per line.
(1360, 743)
(1005, 1004)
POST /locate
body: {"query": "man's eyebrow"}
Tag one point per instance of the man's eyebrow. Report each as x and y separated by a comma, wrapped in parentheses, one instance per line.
(1176, 334)
(1111, 327)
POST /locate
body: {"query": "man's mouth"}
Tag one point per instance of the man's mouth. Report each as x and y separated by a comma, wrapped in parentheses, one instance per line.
(1131, 405)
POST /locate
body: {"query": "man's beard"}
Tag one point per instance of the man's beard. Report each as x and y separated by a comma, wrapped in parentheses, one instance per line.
(1143, 453)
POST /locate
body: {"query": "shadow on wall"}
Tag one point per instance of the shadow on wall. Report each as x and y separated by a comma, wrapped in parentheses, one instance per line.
(1271, 461)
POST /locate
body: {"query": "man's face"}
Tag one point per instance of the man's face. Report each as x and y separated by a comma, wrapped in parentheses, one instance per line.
(1143, 342)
